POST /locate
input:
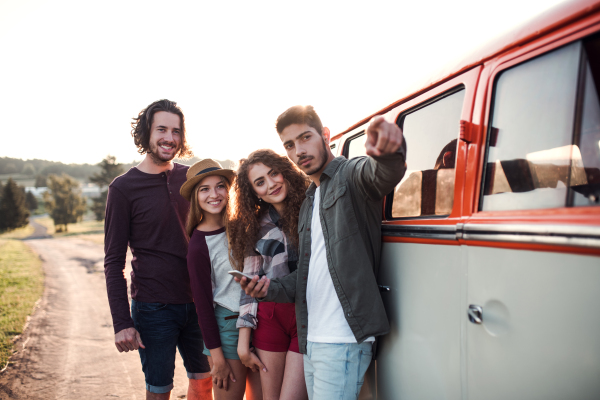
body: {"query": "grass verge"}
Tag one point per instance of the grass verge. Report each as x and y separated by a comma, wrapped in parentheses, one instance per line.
(20, 233)
(21, 285)
(80, 228)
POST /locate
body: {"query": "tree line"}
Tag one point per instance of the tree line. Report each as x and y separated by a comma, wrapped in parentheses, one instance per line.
(41, 169)
(110, 169)
(15, 206)
(44, 168)
(63, 200)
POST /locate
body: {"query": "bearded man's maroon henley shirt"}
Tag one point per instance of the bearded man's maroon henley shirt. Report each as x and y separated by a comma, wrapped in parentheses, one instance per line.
(147, 213)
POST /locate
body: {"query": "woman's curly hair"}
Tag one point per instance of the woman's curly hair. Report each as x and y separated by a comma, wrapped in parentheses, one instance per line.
(243, 229)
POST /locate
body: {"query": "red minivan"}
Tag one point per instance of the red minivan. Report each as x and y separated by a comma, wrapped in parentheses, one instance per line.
(490, 269)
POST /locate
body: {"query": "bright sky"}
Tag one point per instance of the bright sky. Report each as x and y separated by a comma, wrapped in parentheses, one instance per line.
(73, 73)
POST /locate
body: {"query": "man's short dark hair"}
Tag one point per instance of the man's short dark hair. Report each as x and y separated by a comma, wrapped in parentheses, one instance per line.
(143, 122)
(299, 115)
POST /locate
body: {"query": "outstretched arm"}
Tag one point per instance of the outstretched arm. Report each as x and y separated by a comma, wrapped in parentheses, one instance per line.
(383, 137)
(378, 174)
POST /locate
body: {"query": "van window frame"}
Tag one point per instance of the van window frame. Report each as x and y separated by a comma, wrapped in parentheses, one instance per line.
(513, 62)
(567, 229)
(389, 198)
(349, 139)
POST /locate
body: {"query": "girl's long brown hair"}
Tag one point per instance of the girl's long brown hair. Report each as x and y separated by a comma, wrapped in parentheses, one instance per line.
(195, 215)
(244, 226)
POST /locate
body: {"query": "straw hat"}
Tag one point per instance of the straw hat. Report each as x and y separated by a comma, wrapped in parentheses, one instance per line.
(201, 170)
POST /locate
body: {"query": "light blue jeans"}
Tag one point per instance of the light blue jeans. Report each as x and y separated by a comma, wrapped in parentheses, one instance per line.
(336, 371)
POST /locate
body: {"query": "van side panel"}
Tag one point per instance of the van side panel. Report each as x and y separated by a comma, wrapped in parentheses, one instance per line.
(539, 336)
(420, 357)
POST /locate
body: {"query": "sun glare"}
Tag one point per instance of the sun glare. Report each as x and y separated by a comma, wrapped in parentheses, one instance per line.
(72, 85)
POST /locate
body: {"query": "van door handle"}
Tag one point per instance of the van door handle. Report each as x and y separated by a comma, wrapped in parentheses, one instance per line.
(384, 288)
(475, 314)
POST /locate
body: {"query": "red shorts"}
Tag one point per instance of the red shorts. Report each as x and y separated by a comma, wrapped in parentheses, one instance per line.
(276, 329)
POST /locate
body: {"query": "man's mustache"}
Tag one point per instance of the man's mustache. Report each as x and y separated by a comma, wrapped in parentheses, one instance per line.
(172, 144)
(303, 158)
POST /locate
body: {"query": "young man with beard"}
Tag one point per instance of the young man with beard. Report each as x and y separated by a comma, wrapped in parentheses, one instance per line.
(339, 310)
(145, 211)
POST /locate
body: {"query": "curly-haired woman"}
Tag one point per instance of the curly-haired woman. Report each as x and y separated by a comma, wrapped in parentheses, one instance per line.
(264, 241)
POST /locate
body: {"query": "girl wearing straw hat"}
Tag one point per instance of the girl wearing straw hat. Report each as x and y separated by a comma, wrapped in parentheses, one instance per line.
(216, 294)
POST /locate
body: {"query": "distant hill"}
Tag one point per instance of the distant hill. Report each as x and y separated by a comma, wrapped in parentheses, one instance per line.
(17, 166)
(25, 171)
(225, 163)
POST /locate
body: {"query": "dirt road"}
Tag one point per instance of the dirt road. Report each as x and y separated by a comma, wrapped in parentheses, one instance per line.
(67, 351)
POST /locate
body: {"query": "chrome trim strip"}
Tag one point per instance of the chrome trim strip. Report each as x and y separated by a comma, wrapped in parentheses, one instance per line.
(537, 229)
(564, 235)
(559, 235)
(443, 232)
(459, 231)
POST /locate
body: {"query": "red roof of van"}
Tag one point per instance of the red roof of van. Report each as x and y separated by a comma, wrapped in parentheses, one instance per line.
(544, 23)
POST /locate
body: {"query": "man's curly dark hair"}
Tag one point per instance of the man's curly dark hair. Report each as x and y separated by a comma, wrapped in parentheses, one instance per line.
(142, 124)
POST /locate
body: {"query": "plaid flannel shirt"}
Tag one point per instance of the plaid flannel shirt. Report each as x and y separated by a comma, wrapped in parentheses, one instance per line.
(274, 256)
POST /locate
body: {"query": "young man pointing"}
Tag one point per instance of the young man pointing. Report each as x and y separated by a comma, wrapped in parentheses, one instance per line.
(339, 309)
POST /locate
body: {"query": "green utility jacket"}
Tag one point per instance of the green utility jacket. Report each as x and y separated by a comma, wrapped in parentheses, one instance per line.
(350, 212)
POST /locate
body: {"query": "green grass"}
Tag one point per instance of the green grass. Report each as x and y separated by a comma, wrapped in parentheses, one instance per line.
(40, 208)
(20, 233)
(80, 228)
(21, 285)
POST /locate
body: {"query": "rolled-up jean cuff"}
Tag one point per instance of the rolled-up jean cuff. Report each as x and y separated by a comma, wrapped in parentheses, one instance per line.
(198, 375)
(159, 389)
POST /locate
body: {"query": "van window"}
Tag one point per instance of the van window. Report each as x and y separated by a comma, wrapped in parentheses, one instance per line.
(587, 192)
(540, 129)
(431, 131)
(356, 146)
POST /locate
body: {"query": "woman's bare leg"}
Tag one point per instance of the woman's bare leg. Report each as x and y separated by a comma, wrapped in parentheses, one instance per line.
(235, 390)
(253, 386)
(272, 379)
(294, 386)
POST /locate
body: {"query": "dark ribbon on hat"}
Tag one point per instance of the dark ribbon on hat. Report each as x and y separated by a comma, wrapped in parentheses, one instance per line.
(211, 169)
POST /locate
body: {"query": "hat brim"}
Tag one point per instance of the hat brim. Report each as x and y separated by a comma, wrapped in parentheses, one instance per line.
(188, 186)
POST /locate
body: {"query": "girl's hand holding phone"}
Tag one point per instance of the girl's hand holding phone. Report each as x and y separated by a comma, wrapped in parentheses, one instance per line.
(253, 286)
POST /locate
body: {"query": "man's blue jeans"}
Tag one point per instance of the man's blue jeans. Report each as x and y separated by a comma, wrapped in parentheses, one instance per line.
(336, 371)
(162, 328)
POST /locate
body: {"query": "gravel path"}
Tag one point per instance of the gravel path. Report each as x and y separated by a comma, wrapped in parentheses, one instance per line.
(67, 350)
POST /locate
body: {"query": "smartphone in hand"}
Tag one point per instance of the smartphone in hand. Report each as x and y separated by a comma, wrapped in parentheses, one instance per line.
(240, 275)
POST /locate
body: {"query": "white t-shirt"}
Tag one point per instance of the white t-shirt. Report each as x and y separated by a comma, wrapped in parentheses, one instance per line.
(326, 321)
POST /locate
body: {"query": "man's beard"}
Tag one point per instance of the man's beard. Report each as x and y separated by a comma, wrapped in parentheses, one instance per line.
(155, 155)
(315, 169)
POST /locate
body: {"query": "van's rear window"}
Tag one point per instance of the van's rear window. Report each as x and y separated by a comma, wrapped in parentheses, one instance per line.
(543, 145)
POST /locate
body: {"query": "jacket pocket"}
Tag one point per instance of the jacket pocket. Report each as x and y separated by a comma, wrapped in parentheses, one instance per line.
(338, 213)
(300, 225)
(338, 192)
